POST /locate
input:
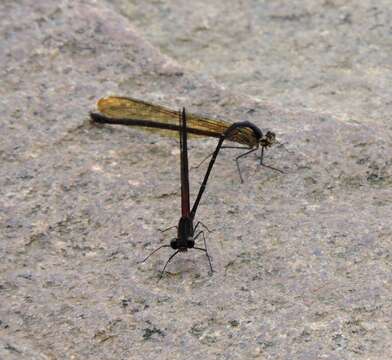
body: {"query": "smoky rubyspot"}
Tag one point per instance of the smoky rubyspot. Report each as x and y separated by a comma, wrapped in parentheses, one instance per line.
(133, 112)
(147, 116)
(185, 230)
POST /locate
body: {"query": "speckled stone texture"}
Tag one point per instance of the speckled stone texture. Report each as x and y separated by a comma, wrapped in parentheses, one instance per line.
(302, 260)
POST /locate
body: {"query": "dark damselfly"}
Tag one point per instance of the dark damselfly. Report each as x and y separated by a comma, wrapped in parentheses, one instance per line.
(186, 232)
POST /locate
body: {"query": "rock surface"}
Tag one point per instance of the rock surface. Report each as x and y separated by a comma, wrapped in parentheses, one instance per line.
(302, 260)
(332, 56)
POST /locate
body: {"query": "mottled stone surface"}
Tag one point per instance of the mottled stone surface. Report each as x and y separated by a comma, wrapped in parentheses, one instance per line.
(302, 260)
(332, 56)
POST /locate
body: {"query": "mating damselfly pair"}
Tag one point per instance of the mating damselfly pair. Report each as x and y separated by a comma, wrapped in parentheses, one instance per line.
(144, 115)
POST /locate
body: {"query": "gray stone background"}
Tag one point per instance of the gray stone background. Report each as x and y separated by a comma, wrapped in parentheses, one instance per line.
(302, 260)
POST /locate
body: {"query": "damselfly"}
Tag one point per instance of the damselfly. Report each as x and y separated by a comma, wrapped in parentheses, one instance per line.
(133, 112)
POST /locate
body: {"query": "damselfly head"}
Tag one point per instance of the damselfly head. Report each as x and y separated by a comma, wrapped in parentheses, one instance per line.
(268, 139)
(190, 242)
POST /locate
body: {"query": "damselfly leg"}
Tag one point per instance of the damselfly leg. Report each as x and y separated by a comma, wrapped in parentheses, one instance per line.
(167, 263)
(267, 166)
(205, 249)
(169, 228)
(152, 253)
(204, 226)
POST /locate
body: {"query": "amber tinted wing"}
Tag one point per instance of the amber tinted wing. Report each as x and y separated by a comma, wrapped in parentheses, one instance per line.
(134, 109)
